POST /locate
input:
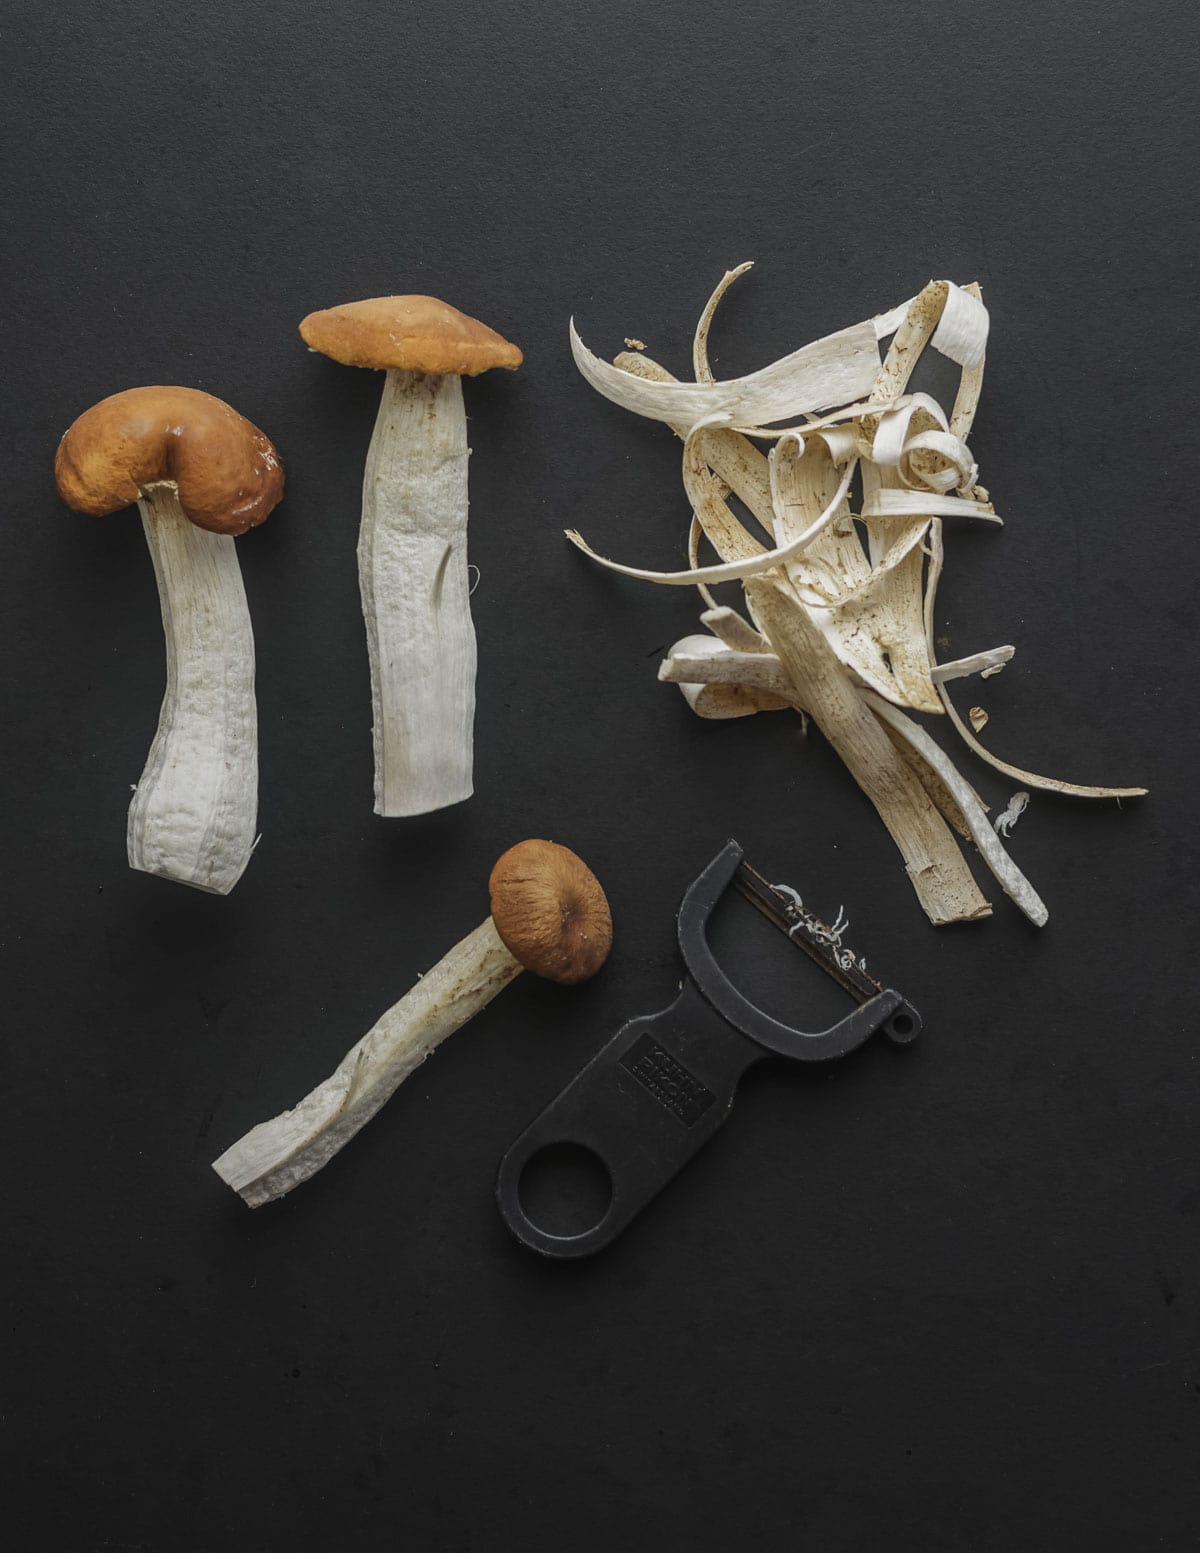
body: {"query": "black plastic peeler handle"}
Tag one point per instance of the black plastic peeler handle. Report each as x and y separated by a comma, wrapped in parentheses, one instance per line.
(664, 1084)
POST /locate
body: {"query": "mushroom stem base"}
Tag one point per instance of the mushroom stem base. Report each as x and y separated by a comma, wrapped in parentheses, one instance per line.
(194, 810)
(277, 1155)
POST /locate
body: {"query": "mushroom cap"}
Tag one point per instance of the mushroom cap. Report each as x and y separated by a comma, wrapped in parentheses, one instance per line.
(227, 473)
(412, 333)
(549, 908)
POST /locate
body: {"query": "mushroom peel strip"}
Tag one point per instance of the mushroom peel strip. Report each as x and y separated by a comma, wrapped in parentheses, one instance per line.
(963, 339)
(831, 371)
(868, 597)
(728, 691)
(888, 502)
(1049, 784)
(695, 534)
(712, 514)
(194, 810)
(970, 386)
(892, 429)
(700, 364)
(884, 567)
(728, 571)
(734, 630)
(749, 650)
(939, 874)
(990, 661)
(897, 440)
(857, 606)
(704, 660)
(831, 422)
(1008, 875)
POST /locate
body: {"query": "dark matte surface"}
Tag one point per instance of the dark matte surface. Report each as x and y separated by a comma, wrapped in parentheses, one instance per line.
(938, 1299)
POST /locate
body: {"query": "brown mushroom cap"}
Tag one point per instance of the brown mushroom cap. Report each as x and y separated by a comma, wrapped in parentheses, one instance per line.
(413, 334)
(550, 911)
(227, 473)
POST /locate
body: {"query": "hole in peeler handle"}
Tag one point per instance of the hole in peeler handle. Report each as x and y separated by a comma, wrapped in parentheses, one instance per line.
(565, 1190)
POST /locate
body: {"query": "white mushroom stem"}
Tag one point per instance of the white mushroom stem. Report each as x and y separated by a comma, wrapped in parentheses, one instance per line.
(277, 1155)
(193, 814)
(412, 568)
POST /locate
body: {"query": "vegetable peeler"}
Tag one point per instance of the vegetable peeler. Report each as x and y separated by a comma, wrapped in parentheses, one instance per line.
(665, 1082)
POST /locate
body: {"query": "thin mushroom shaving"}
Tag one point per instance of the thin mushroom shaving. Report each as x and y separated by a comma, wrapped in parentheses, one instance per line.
(848, 503)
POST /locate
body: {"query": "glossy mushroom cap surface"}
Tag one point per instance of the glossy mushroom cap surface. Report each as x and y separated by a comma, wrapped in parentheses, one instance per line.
(227, 472)
(410, 334)
(550, 911)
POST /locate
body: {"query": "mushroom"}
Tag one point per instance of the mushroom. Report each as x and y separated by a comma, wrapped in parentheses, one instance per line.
(549, 915)
(412, 556)
(200, 474)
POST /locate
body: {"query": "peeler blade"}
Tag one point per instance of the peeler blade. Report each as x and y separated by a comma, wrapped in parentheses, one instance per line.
(821, 941)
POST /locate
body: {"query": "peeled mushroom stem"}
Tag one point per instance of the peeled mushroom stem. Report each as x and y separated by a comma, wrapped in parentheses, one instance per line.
(412, 572)
(549, 915)
(194, 811)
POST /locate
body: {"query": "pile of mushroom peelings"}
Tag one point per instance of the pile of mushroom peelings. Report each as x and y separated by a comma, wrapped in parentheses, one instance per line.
(840, 602)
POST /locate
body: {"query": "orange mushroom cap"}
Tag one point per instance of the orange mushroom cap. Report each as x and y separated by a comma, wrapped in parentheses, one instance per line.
(409, 333)
(550, 911)
(226, 471)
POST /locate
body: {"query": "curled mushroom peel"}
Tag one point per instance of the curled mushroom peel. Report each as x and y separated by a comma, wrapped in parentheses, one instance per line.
(200, 474)
(549, 915)
(412, 553)
(840, 602)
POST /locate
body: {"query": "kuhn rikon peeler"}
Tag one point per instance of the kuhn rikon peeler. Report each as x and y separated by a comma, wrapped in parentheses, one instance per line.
(664, 1084)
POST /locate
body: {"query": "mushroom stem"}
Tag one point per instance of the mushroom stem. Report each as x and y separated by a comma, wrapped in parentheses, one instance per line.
(192, 818)
(277, 1155)
(412, 568)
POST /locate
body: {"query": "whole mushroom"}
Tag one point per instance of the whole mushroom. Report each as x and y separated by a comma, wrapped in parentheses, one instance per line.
(412, 553)
(200, 474)
(549, 915)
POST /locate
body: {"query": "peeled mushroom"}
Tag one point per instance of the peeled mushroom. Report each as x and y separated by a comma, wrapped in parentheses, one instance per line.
(412, 551)
(200, 474)
(549, 915)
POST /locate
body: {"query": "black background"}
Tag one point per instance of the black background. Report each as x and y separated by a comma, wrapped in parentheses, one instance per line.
(939, 1299)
